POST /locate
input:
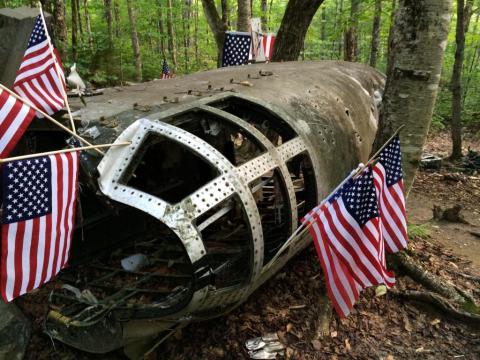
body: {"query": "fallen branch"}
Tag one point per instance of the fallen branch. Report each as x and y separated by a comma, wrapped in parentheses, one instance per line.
(440, 303)
(425, 278)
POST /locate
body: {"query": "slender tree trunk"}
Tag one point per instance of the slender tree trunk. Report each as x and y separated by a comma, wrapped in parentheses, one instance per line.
(390, 51)
(264, 19)
(463, 20)
(376, 33)
(323, 34)
(116, 16)
(225, 13)
(473, 60)
(197, 59)
(61, 28)
(351, 35)
(88, 24)
(186, 31)
(135, 43)
(419, 41)
(216, 24)
(74, 30)
(291, 35)
(79, 19)
(244, 17)
(109, 19)
(161, 30)
(172, 45)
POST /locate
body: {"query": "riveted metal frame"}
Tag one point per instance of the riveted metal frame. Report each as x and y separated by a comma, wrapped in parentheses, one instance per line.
(232, 180)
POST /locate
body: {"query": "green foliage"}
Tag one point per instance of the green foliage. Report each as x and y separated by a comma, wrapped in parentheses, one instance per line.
(106, 64)
(421, 231)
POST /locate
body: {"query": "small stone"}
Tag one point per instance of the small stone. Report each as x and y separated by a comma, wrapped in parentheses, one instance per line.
(15, 332)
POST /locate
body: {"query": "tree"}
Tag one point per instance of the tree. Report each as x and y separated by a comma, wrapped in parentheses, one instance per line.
(351, 35)
(172, 45)
(244, 15)
(225, 13)
(216, 24)
(109, 18)
(264, 19)
(464, 13)
(60, 28)
(74, 30)
(291, 35)
(376, 33)
(88, 24)
(417, 48)
(135, 42)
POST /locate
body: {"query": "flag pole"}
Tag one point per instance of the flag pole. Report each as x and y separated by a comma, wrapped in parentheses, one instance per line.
(353, 174)
(27, 102)
(62, 151)
(57, 68)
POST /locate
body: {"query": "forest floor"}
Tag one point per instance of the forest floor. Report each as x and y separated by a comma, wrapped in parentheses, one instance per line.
(384, 327)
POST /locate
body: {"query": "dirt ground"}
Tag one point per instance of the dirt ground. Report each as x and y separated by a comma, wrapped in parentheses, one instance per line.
(384, 327)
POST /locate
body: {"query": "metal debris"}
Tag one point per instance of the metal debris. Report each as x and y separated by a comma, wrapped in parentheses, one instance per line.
(134, 262)
(265, 347)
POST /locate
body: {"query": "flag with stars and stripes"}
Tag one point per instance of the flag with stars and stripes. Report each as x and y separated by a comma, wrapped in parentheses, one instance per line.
(15, 116)
(40, 78)
(38, 214)
(389, 185)
(348, 227)
(236, 48)
(165, 70)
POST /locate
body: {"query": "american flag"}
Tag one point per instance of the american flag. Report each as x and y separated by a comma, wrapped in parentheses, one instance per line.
(349, 225)
(389, 185)
(236, 48)
(165, 70)
(40, 78)
(38, 213)
(268, 42)
(15, 116)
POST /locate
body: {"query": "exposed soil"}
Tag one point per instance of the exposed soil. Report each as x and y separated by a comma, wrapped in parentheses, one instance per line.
(384, 327)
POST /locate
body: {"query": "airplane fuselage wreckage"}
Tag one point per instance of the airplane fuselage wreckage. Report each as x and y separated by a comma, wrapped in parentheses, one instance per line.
(187, 221)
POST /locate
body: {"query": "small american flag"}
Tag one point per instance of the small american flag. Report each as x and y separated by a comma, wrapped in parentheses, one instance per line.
(268, 42)
(40, 78)
(15, 116)
(349, 224)
(236, 48)
(38, 213)
(389, 185)
(165, 70)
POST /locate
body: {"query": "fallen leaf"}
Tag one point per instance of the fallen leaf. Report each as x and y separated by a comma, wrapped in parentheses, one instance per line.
(333, 334)
(380, 290)
(390, 357)
(347, 345)
(317, 345)
(435, 322)
(407, 325)
(289, 327)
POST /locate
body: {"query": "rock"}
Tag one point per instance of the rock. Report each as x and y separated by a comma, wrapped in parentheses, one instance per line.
(15, 332)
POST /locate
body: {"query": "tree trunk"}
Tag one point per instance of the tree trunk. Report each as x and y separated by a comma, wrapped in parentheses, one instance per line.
(109, 18)
(135, 43)
(323, 33)
(463, 20)
(216, 24)
(186, 31)
(351, 35)
(88, 24)
(418, 45)
(61, 28)
(172, 45)
(197, 60)
(291, 35)
(264, 19)
(390, 38)
(376, 33)
(161, 30)
(74, 30)
(116, 16)
(473, 60)
(225, 13)
(79, 19)
(244, 15)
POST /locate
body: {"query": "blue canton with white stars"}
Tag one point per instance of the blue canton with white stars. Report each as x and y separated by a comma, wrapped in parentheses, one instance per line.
(236, 49)
(360, 198)
(27, 189)
(38, 34)
(391, 159)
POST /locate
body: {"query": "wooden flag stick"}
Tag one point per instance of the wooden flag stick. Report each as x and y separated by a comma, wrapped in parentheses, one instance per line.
(26, 101)
(57, 68)
(55, 152)
(353, 175)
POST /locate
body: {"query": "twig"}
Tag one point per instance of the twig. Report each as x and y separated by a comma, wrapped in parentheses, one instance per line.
(62, 151)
